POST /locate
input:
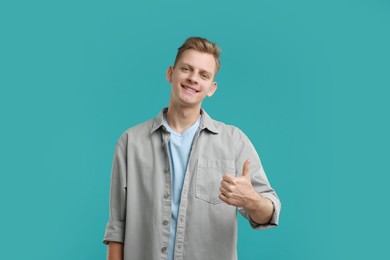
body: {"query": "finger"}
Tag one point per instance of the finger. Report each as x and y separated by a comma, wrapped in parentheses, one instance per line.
(226, 185)
(228, 178)
(224, 191)
(228, 201)
(245, 169)
(224, 199)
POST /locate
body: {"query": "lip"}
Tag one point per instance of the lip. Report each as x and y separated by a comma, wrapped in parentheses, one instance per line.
(190, 89)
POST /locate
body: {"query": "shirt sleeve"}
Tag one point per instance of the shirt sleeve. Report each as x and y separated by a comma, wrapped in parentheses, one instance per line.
(245, 150)
(115, 228)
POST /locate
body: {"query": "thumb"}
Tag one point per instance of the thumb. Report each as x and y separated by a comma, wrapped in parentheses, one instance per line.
(245, 169)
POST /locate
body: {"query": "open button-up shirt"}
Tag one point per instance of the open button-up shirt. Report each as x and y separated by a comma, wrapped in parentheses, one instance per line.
(140, 196)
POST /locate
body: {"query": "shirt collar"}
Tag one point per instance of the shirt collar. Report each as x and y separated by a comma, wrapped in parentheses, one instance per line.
(206, 121)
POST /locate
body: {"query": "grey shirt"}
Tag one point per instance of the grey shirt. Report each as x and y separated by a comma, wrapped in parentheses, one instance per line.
(140, 196)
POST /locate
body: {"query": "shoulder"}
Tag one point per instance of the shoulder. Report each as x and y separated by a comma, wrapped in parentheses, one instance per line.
(219, 127)
(231, 132)
(235, 138)
(138, 132)
(227, 128)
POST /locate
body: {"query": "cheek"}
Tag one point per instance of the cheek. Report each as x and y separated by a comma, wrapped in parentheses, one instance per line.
(209, 87)
(175, 79)
(176, 83)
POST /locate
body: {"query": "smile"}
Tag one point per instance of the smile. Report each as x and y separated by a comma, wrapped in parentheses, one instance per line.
(189, 89)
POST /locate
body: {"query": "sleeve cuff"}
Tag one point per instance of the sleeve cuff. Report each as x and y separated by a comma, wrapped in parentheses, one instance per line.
(275, 217)
(115, 231)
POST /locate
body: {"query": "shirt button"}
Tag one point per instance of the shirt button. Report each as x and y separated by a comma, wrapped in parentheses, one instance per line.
(179, 246)
(165, 222)
(166, 195)
(163, 249)
(166, 170)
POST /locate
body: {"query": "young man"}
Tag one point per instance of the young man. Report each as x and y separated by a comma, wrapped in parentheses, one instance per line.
(179, 179)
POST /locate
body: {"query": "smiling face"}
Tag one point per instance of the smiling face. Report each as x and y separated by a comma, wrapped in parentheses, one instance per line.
(192, 78)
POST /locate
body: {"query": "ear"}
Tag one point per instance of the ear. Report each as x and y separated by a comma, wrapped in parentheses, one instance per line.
(169, 74)
(212, 89)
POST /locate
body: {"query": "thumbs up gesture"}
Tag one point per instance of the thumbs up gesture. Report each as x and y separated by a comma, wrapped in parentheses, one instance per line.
(238, 191)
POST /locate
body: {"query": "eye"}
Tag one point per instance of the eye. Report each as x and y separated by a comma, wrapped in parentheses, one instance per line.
(205, 76)
(185, 69)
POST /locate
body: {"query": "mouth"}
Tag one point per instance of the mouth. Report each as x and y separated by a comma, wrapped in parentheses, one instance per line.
(189, 89)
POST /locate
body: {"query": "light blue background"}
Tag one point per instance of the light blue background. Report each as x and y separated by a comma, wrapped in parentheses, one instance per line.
(307, 81)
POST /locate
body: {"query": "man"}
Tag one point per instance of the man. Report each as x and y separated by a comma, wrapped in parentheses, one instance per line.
(178, 179)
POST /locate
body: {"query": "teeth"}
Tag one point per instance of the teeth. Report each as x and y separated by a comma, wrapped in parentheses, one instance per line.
(190, 89)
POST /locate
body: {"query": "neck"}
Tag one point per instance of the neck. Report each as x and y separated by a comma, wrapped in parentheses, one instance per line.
(182, 118)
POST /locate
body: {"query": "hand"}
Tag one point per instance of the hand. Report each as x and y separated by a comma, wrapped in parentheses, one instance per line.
(238, 191)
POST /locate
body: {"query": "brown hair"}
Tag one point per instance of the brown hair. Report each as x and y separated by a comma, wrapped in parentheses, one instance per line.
(202, 45)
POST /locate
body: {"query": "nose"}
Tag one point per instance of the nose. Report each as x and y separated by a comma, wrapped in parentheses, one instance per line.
(192, 78)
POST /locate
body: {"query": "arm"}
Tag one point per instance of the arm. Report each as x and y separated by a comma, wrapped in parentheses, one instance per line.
(250, 191)
(115, 251)
(115, 229)
(260, 209)
(239, 192)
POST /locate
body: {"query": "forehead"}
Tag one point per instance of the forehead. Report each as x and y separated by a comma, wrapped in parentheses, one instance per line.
(199, 60)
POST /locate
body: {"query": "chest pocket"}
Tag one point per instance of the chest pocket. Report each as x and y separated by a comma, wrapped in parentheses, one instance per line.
(209, 175)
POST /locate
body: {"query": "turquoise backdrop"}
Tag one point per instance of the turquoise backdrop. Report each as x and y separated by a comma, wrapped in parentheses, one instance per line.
(307, 81)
